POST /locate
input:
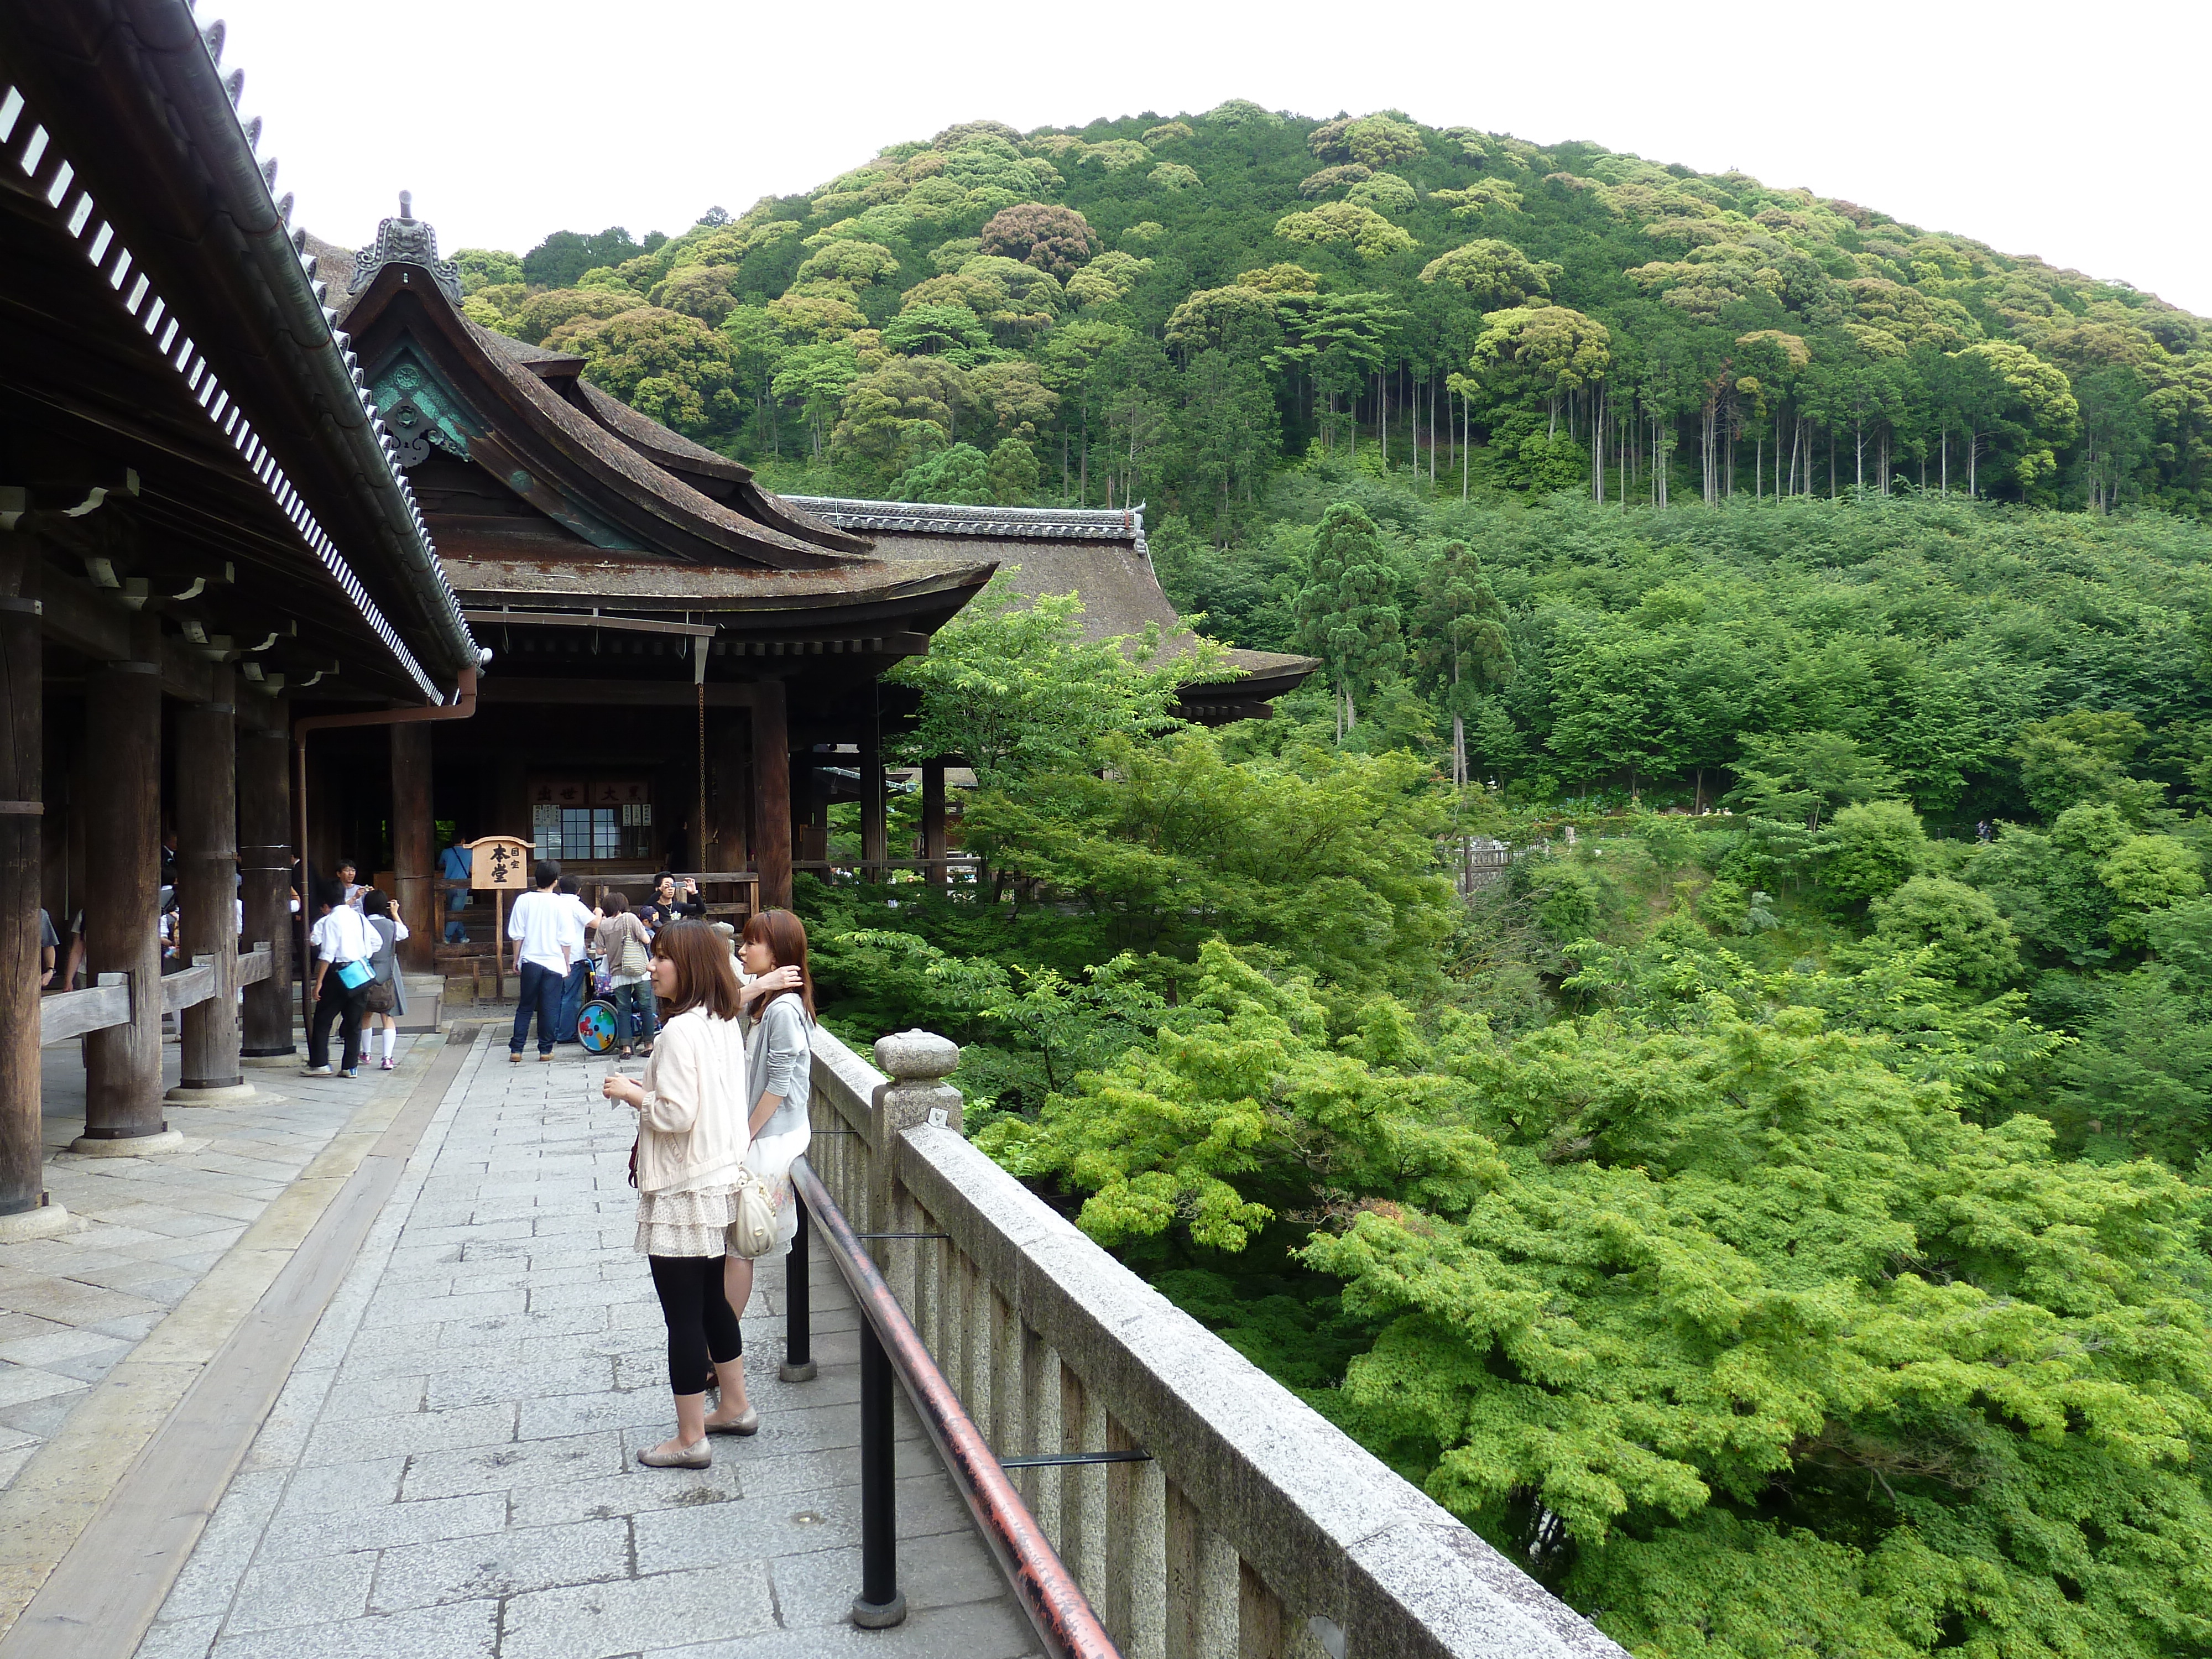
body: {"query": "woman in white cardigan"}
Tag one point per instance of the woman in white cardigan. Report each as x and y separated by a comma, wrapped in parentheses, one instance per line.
(692, 1139)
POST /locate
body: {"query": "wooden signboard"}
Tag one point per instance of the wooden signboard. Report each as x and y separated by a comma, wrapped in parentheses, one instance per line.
(499, 865)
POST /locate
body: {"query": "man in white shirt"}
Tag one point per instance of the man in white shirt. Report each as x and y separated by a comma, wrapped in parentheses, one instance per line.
(340, 939)
(578, 916)
(541, 927)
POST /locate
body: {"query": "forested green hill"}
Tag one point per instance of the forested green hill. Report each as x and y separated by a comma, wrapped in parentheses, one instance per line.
(1160, 310)
(1774, 1207)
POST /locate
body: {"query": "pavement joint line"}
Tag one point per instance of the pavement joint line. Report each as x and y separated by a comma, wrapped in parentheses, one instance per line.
(91, 1542)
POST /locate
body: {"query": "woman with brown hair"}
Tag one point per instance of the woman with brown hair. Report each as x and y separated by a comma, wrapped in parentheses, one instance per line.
(691, 1142)
(778, 1069)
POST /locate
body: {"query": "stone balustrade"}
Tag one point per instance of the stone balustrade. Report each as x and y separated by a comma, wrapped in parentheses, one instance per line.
(1257, 1529)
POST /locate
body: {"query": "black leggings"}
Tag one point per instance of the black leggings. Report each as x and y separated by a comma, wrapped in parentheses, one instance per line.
(701, 1326)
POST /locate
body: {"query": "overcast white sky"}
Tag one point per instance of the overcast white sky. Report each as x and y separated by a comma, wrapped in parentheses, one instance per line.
(2071, 132)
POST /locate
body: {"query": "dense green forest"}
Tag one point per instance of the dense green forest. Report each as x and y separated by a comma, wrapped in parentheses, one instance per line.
(1772, 1206)
(1159, 311)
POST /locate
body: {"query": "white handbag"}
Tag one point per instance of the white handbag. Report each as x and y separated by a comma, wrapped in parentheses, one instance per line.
(752, 1230)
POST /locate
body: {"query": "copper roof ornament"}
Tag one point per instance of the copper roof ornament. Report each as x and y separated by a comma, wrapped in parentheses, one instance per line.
(406, 240)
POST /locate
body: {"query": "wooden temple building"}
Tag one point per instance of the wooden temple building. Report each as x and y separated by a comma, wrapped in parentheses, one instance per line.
(690, 666)
(269, 507)
(205, 543)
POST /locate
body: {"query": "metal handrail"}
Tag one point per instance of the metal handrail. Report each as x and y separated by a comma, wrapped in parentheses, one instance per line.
(1056, 1607)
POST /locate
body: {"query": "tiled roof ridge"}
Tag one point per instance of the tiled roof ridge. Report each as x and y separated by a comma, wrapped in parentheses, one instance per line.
(948, 518)
(639, 470)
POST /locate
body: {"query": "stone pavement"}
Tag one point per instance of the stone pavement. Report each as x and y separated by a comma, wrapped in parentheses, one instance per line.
(147, 1231)
(450, 1470)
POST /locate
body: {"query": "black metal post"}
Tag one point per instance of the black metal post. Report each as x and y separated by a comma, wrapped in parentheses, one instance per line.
(880, 1605)
(797, 1332)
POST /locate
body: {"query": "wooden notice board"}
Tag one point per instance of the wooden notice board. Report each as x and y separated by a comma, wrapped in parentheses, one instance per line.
(499, 865)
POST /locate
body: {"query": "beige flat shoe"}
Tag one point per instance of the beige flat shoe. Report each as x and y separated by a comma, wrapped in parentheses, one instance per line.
(697, 1455)
(747, 1422)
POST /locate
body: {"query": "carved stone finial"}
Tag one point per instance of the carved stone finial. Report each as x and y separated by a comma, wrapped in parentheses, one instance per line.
(916, 1063)
(406, 240)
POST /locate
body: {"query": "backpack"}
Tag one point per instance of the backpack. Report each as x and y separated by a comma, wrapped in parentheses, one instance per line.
(635, 957)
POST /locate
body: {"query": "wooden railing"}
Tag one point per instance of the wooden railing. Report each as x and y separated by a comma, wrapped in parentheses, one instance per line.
(107, 1002)
(1251, 1526)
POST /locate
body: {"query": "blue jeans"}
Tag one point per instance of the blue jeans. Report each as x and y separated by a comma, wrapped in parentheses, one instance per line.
(634, 1013)
(540, 995)
(572, 999)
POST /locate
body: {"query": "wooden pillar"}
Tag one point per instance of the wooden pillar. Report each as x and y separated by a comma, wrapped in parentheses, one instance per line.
(933, 816)
(264, 834)
(413, 855)
(772, 795)
(23, 743)
(207, 885)
(874, 808)
(728, 756)
(123, 842)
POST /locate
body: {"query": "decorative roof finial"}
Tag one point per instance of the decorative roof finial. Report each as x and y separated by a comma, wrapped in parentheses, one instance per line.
(406, 240)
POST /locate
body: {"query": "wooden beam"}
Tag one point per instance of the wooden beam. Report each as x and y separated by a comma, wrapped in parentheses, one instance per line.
(772, 796)
(189, 988)
(586, 619)
(207, 883)
(22, 1150)
(634, 694)
(874, 798)
(265, 856)
(412, 852)
(73, 1013)
(123, 842)
(932, 812)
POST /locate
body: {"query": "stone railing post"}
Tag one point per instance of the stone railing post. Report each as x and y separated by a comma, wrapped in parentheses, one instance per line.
(916, 1063)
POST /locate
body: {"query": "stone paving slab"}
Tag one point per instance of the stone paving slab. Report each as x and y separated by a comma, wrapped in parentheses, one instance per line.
(451, 1471)
(147, 1231)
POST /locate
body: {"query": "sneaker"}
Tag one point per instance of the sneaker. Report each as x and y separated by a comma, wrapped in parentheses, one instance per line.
(386, 1064)
(316, 1071)
(350, 1070)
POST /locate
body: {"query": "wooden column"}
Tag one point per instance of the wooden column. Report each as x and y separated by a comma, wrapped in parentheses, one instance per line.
(413, 854)
(933, 816)
(772, 796)
(207, 884)
(123, 844)
(727, 739)
(22, 1153)
(264, 834)
(874, 808)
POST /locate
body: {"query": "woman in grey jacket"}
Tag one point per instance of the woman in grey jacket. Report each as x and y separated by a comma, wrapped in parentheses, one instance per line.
(779, 1074)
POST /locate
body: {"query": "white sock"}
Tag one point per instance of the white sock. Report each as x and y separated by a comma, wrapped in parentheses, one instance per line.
(390, 1037)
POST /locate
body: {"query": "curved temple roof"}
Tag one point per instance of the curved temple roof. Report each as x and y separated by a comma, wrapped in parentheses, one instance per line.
(1098, 553)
